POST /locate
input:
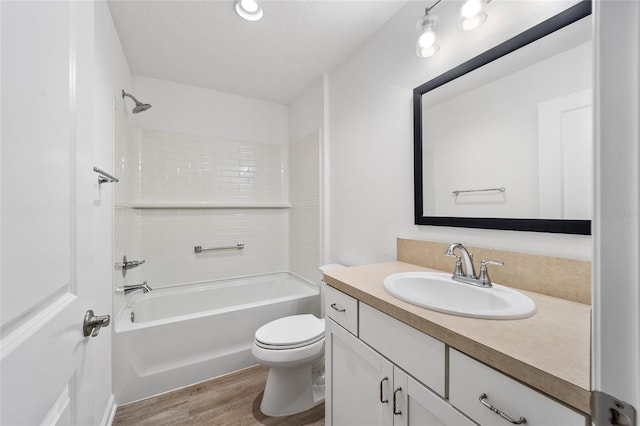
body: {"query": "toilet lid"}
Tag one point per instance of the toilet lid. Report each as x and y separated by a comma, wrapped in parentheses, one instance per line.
(295, 330)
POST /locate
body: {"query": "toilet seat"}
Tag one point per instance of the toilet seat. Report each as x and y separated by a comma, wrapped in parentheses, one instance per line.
(290, 332)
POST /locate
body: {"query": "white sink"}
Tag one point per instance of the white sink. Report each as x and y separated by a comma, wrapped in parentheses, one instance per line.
(438, 292)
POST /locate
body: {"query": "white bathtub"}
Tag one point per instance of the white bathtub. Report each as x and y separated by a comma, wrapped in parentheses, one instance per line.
(189, 333)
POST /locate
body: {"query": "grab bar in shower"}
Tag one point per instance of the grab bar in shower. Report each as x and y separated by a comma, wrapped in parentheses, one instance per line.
(104, 176)
(199, 249)
(460, 191)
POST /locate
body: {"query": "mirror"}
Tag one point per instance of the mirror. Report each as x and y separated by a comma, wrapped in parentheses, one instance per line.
(504, 141)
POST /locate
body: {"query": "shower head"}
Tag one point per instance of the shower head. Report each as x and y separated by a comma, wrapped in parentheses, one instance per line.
(139, 105)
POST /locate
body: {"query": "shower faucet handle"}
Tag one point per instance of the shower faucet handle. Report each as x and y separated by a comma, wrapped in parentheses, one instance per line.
(128, 264)
(131, 263)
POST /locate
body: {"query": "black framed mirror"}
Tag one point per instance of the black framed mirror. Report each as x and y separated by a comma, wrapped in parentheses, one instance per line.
(461, 174)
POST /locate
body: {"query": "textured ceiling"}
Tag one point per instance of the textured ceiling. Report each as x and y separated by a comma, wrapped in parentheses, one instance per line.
(205, 44)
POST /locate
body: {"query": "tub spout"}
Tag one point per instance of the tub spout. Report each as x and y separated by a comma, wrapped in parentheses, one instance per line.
(131, 288)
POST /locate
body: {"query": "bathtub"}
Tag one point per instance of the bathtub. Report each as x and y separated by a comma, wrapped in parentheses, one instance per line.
(184, 334)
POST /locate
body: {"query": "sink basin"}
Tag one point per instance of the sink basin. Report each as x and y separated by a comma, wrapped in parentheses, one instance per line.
(438, 292)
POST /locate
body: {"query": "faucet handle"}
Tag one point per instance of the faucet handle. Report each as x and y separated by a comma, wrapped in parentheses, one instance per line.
(458, 269)
(485, 280)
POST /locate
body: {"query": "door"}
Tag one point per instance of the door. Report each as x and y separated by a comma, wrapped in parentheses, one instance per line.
(565, 157)
(616, 225)
(415, 405)
(46, 220)
(359, 381)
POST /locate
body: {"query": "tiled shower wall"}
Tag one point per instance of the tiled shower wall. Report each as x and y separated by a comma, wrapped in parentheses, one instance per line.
(173, 173)
(168, 238)
(187, 168)
(304, 220)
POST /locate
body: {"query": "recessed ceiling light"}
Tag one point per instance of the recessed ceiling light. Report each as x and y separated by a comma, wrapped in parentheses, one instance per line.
(248, 9)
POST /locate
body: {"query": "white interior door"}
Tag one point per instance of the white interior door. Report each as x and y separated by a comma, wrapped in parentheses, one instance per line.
(616, 225)
(565, 157)
(46, 213)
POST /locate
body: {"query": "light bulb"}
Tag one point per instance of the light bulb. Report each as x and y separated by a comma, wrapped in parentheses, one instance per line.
(469, 24)
(471, 8)
(425, 52)
(427, 39)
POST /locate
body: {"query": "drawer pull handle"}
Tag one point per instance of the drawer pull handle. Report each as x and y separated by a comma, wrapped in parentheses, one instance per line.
(483, 401)
(336, 308)
(384, 401)
(395, 410)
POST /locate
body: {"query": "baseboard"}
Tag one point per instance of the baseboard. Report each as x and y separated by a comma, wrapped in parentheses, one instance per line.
(110, 412)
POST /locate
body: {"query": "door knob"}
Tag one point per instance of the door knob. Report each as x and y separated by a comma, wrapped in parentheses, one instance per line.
(92, 323)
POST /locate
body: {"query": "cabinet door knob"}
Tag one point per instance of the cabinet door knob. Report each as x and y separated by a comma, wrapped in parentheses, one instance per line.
(395, 410)
(384, 401)
(483, 400)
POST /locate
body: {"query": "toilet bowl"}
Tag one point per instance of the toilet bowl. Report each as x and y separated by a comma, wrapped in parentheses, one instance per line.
(293, 349)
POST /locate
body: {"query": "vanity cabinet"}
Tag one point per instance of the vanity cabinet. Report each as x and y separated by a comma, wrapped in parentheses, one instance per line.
(381, 371)
(364, 388)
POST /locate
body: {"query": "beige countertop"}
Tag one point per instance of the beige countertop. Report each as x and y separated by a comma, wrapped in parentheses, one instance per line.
(550, 351)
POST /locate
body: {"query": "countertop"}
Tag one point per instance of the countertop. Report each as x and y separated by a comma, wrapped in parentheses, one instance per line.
(550, 351)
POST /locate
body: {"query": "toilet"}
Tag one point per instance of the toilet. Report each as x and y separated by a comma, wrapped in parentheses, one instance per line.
(293, 349)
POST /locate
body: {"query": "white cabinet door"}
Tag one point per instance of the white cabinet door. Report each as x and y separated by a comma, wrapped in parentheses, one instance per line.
(358, 381)
(47, 214)
(416, 405)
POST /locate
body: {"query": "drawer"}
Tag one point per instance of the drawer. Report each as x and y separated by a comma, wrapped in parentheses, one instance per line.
(469, 379)
(418, 354)
(341, 308)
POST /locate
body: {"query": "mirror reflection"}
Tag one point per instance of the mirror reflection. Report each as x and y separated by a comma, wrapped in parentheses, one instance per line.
(513, 138)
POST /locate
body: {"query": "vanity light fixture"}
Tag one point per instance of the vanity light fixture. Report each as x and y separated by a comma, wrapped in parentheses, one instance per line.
(249, 10)
(426, 44)
(472, 14)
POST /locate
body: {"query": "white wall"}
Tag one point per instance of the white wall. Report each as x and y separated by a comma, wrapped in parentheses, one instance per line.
(306, 114)
(371, 136)
(180, 108)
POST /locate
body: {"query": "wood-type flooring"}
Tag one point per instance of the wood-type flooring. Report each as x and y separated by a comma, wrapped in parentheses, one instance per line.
(233, 399)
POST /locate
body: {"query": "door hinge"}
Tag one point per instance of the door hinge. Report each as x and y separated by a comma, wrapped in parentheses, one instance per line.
(607, 410)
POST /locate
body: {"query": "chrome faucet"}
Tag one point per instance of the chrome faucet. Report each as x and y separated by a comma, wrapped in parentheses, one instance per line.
(131, 288)
(469, 270)
(468, 275)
